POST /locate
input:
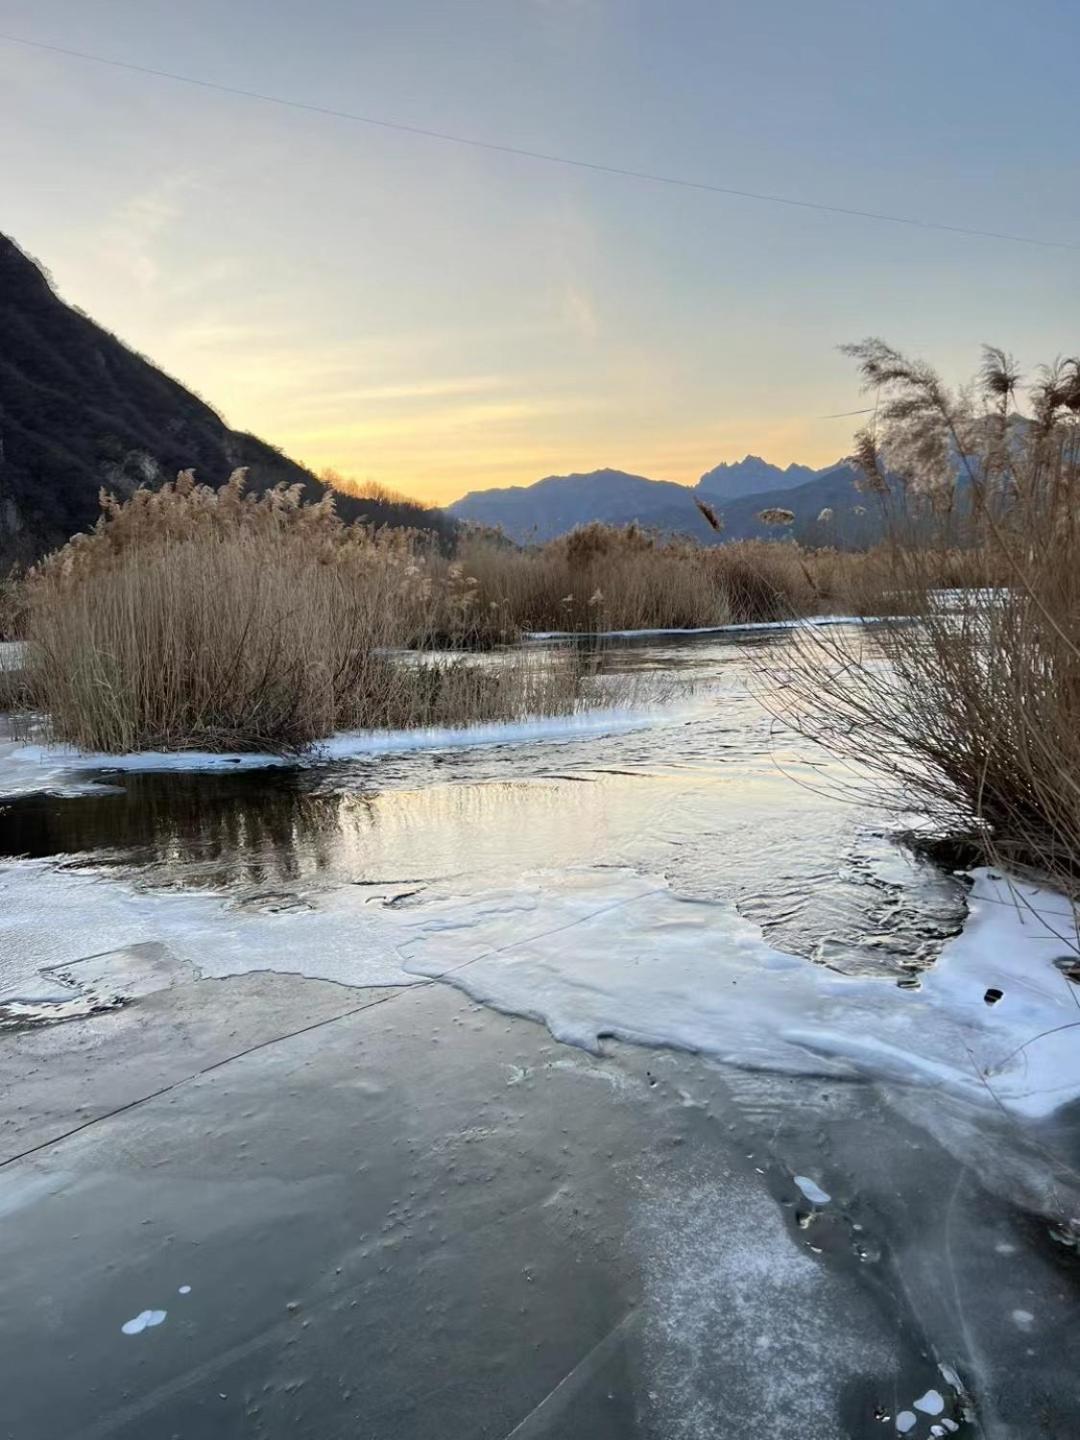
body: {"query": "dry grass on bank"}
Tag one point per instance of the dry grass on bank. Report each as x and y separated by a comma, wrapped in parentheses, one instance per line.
(212, 619)
(202, 619)
(12, 605)
(596, 578)
(600, 578)
(972, 712)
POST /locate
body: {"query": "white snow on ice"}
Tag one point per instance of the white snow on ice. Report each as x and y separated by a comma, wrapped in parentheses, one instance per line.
(613, 953)
(53, 917)
(596, 952)
(25, 768)
(805, 622)
(145, 1320)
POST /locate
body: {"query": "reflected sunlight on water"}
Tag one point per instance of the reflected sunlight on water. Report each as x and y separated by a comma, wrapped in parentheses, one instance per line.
(717, 801)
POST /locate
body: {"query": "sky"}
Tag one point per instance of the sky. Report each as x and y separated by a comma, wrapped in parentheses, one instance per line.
(441, 318)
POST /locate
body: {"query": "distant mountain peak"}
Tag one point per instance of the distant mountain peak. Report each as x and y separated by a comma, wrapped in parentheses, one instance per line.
(750, 476)
(533, 514)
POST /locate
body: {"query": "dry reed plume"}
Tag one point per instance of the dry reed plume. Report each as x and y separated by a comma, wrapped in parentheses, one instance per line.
(973, 706)
(194, 618)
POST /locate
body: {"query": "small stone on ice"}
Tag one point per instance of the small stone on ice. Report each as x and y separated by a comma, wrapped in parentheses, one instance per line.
(930, 1404)
(906, 1421)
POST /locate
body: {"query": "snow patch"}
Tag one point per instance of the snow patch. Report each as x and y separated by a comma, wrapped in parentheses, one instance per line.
(145, 1320)
(593, 954)
(599, 952)
(89, 914)
(25, 768)
(805, 622)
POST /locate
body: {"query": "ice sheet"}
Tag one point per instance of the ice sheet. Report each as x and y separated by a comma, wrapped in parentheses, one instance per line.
(805, 622)
(595, 952)
(51, 918)
(25, 768)
(617, 954)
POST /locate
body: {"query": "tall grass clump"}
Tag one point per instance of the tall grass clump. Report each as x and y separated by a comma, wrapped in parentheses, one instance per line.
(194, 618)
(602, 577)
(972, 702)
(598, 577)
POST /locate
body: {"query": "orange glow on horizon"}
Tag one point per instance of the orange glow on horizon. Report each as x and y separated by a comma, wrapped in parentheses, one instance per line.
(437, 469)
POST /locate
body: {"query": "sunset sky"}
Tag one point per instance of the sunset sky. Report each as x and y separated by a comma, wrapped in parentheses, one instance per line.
(441, 318)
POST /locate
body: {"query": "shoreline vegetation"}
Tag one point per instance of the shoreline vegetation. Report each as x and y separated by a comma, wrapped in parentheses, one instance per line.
(972, 714)
(214, 620)
(195, 618)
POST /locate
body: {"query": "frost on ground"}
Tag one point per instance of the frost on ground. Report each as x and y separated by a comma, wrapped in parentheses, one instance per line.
(745, 1334)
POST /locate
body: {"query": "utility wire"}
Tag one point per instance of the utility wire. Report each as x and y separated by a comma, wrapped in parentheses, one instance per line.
(522, 153)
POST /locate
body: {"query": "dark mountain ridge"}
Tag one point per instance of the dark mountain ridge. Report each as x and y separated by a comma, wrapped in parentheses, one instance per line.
(80, 410)
(551, 507)
(558, 503)
(751, 476)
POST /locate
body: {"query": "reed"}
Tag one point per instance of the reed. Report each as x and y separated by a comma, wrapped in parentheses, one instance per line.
(599, 577)
(971, 707)
(194, 618)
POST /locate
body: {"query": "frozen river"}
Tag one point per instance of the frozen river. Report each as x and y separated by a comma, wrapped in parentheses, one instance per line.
(621, 1079)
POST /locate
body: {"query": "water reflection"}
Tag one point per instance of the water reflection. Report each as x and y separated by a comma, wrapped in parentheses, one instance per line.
(268, 828)
(244, 828)
(702, 801)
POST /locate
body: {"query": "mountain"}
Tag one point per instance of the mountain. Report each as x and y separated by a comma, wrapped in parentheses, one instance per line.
(550, 507)
(750, 476)
(79, 410)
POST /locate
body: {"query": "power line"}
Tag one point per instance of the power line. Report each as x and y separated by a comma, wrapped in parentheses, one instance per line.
(843, 414)
(544, 156)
